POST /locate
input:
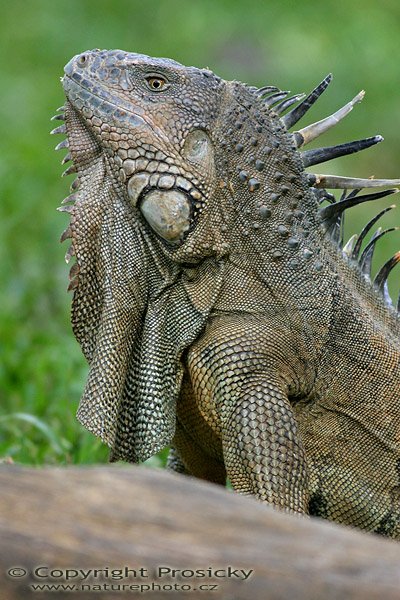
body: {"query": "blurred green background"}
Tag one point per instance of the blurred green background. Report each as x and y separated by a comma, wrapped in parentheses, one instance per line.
(286, 43)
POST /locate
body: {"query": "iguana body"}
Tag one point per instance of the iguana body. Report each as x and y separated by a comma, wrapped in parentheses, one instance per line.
(215, 311)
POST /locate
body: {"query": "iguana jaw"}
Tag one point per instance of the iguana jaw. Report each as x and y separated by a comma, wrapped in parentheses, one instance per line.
(83, 128)
(169, 202)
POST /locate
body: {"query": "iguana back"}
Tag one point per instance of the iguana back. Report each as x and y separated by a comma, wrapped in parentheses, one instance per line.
(213, 296)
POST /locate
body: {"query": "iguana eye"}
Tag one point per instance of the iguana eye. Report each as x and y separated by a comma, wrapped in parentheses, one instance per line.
(156, 83)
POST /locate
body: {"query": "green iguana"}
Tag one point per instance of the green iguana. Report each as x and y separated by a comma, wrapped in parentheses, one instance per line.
(214, 299)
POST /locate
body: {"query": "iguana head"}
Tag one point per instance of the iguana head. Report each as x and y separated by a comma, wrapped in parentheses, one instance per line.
(178, 173)
(153, 121)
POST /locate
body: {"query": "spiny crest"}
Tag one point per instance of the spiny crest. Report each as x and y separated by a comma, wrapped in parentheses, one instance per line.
(271, 97)
(68, 203)
(332, 214)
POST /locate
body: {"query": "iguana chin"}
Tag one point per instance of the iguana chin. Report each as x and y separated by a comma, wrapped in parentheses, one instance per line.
(213, 296)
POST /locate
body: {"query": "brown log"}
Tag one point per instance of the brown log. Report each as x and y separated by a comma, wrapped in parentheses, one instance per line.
(53, 519)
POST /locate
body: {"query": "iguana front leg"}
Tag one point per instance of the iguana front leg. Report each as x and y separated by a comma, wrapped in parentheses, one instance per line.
(263, 453)
(242, 375)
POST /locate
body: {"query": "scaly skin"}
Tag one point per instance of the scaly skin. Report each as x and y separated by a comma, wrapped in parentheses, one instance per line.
(214, 311)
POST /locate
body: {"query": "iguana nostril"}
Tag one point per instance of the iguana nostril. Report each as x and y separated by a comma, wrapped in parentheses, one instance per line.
(82, 61)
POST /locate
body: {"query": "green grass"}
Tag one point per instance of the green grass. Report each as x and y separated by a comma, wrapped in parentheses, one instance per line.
(292, 45)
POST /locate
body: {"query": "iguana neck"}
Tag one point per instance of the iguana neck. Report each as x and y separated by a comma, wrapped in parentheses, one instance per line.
(263, 206)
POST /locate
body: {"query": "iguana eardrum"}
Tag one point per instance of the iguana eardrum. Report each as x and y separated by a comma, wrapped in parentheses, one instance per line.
(213, 296)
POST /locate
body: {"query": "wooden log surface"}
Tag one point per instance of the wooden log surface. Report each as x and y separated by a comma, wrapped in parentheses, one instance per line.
(58, 523)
